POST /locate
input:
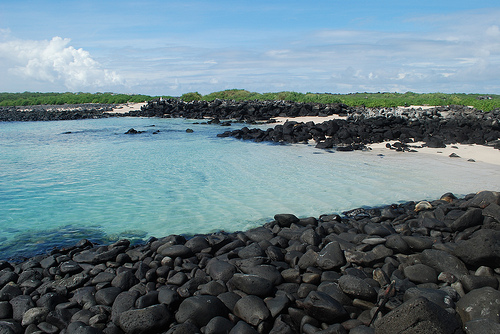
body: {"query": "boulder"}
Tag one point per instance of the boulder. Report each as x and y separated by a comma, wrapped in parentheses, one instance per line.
(146, 320)
(200, 310)
(480, 303)
(483, 248)
(418, 315)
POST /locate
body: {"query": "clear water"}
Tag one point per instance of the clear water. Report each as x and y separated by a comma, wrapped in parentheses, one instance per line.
(99, 183)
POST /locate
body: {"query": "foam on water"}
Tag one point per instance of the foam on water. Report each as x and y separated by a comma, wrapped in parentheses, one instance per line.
(99, 183)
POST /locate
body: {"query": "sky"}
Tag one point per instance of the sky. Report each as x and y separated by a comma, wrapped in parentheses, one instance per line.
(158, 47)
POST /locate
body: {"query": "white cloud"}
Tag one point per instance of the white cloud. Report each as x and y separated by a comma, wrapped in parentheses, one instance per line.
(55, 62)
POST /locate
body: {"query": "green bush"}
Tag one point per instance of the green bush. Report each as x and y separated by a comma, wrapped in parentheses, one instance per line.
(194, 96)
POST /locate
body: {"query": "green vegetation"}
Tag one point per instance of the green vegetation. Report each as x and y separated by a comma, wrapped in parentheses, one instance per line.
(31, 99)
(191, 97)
(484, 102)
(480, 101)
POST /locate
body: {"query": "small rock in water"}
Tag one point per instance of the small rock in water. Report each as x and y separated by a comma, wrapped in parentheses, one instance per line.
(454, 155)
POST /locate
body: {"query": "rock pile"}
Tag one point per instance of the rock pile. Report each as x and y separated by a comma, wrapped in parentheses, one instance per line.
(241, 111)
(428, 267)
(55, 113)
(437, 128)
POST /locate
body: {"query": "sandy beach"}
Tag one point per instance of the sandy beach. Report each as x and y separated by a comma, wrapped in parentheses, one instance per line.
(127, 107)
(478, 153)
(305, 119)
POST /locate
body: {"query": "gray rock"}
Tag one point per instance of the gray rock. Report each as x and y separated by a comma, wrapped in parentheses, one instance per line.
(308, 259)
(471, 217)
(493, 211)
(149, 299)
(251, 284)
(69, 283)
(259, 234)
(252, 250)
(185, 328)
(70, 267)
(197, 244)
(221, 270)
(285, 220)
(243, 328)
(200, 310)
(281, 327)
(5, 310)
(365, 259)
(212, 288)
(81, 328)
(277, 304)
(483, 248)
(484, 198)
(309, 236)
(34, 315)
(60, 318)
(480, 303)
(356, 330)
(376, 229)
(107, 296)
(144, 320)
(124, 280)
(123, 302)
(438, 297)
(420, 273)
(168, 296)
(472, 282)
(266, 271)
(103, 277)
(251, 309)
(418, 315)
(442, 261)
(175, 251)
(482, 326)
(333, 290)
(331, 256)
(324, 308)
(355, 287)
(219, 325)
(178, 278)
(418, 243)
(20, 304)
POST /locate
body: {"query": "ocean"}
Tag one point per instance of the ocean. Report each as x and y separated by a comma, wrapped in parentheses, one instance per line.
(63, 181)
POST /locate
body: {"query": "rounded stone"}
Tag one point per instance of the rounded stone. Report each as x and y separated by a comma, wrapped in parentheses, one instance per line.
(421, 273)
(252, 309)
(200, 310)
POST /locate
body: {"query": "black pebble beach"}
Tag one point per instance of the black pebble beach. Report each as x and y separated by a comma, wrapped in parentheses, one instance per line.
(417, 267)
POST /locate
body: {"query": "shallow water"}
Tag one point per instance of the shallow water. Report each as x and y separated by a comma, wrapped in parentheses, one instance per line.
(98, 183)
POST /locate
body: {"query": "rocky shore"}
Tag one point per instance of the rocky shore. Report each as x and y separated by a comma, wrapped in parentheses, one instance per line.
(55, 112)
(417, 267)
(436, 127)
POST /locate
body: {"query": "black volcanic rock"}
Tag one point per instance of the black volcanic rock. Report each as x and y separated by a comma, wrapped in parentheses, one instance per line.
(330, 274)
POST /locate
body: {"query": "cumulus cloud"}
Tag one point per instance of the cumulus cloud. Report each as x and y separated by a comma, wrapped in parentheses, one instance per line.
(55, 62)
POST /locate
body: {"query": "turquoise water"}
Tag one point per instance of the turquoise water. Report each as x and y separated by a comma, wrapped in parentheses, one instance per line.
(97, 182)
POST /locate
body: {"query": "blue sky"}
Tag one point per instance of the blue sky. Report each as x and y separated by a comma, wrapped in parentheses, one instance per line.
(173, 47)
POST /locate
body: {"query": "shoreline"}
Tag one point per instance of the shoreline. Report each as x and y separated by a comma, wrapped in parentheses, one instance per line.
(471, 153)
(289, 275)
(279, 275)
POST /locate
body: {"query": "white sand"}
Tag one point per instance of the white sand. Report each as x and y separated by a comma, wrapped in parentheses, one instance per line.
(478, 153)
(305, 119)
(127, 107)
